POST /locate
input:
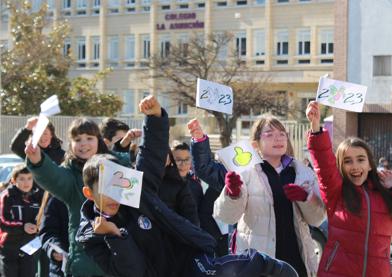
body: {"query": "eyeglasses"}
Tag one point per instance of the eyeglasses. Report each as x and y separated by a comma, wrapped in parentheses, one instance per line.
(181, 162)
(274, 135)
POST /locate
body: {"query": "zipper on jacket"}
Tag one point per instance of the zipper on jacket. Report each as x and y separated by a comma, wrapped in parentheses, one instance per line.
(332, 256)
(367, 233)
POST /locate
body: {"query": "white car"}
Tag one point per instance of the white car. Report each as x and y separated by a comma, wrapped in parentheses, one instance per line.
(7, 164)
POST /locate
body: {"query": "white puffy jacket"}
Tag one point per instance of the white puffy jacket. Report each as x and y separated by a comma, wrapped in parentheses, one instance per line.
(254, 212)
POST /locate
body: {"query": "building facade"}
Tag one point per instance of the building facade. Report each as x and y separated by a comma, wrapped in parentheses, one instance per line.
(364, 55)
(290, 42)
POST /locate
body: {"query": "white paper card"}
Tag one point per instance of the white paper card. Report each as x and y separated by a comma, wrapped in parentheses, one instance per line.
(50, 106)
(39, 129)
(64, 262)
(120, 183)
(32, 246)
(342, 95)
(213, 96)
(239, 157)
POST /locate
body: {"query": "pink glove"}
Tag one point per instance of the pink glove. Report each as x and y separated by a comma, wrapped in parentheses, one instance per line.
(233, 184)
(294, 192)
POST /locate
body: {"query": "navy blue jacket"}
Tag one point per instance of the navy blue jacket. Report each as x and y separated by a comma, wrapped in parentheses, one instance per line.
(54, 231)
(157, 236)
(206, 168)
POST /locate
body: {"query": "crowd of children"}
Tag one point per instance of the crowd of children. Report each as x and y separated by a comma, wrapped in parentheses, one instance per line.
(175, 230)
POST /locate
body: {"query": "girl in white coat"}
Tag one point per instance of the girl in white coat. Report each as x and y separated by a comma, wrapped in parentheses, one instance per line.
(278, 200)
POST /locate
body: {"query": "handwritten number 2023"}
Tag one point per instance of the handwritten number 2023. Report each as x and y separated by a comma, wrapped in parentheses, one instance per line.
(348, 98)
(224, 99)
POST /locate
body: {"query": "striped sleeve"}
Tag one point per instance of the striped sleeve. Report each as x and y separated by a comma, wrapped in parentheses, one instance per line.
(5, 212)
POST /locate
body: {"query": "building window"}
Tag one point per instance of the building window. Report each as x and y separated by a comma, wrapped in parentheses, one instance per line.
(50, 5)
(282, 1)
(113, 46)
(259, 43)
(81, 49)
(240, 43)
(221, 4)
(303, 39)
(129, 102)
(201, 5)
(164, 100)
(67, 47)
(96, 47)
(97, 3)
(130, 2)
(66, 4)
(242, 2)
(164, 45)
(382, 65)
(182, 108)
(130, 48)
(182, 40)
(114, 6)
(146, 46)
(282, 43)
(326, 42)
(81, 4)
(260, 2)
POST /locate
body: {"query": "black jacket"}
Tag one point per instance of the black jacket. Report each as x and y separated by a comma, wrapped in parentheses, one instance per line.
(54, 150)
(159, 236)
(16, 209)
(177, 195)
(54, 231)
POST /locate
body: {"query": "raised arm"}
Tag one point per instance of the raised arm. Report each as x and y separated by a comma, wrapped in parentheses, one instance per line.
(324, 161)
(207, 169)
(58, 180)
(155, 143)
(18, 141)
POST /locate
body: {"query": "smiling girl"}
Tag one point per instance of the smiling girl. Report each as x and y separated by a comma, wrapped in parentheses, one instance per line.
(359, 208)
(278, 200)
(65, 183)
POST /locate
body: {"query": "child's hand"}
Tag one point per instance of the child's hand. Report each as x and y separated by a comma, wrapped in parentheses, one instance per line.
(131, 135)
(57, 256)
(33, 154)
(30, 228)
(313, 115)
(104, 227)
(150, 106)
(386, 178)
(31, 122)
(195, 129)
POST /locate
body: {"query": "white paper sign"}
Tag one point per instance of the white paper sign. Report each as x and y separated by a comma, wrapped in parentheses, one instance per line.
(32, 246)
(342, 95)
(39, 129)
(120, 183)
(213, 96)
(239, 157)
(63, 252)
(49, 107)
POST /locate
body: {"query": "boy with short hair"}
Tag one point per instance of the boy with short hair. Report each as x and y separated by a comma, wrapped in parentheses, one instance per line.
(153, 240)
(19, 205)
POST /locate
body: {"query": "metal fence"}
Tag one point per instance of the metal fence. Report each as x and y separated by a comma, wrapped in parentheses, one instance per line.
(9, 125)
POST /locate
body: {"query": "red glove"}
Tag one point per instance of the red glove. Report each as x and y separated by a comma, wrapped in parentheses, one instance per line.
(233, 184)
(294, 192)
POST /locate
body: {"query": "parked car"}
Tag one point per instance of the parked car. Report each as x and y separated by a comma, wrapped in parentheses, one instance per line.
(7, 164)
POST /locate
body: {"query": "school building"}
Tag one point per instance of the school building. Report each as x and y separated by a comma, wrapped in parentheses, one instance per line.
(288, 42)
(364, 55)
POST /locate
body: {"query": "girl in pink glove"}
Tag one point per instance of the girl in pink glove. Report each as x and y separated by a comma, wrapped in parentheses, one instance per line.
(274, 202)
(359, 206)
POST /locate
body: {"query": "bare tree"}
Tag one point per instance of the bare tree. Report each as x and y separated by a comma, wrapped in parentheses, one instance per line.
(181, 64)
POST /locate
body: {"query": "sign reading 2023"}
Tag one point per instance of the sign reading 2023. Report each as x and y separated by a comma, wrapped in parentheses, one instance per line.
(343, 95)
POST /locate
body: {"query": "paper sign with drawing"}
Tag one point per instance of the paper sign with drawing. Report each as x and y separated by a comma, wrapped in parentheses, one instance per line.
(120, 183)
(239, 157)
(213, 96)
(342, 95)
